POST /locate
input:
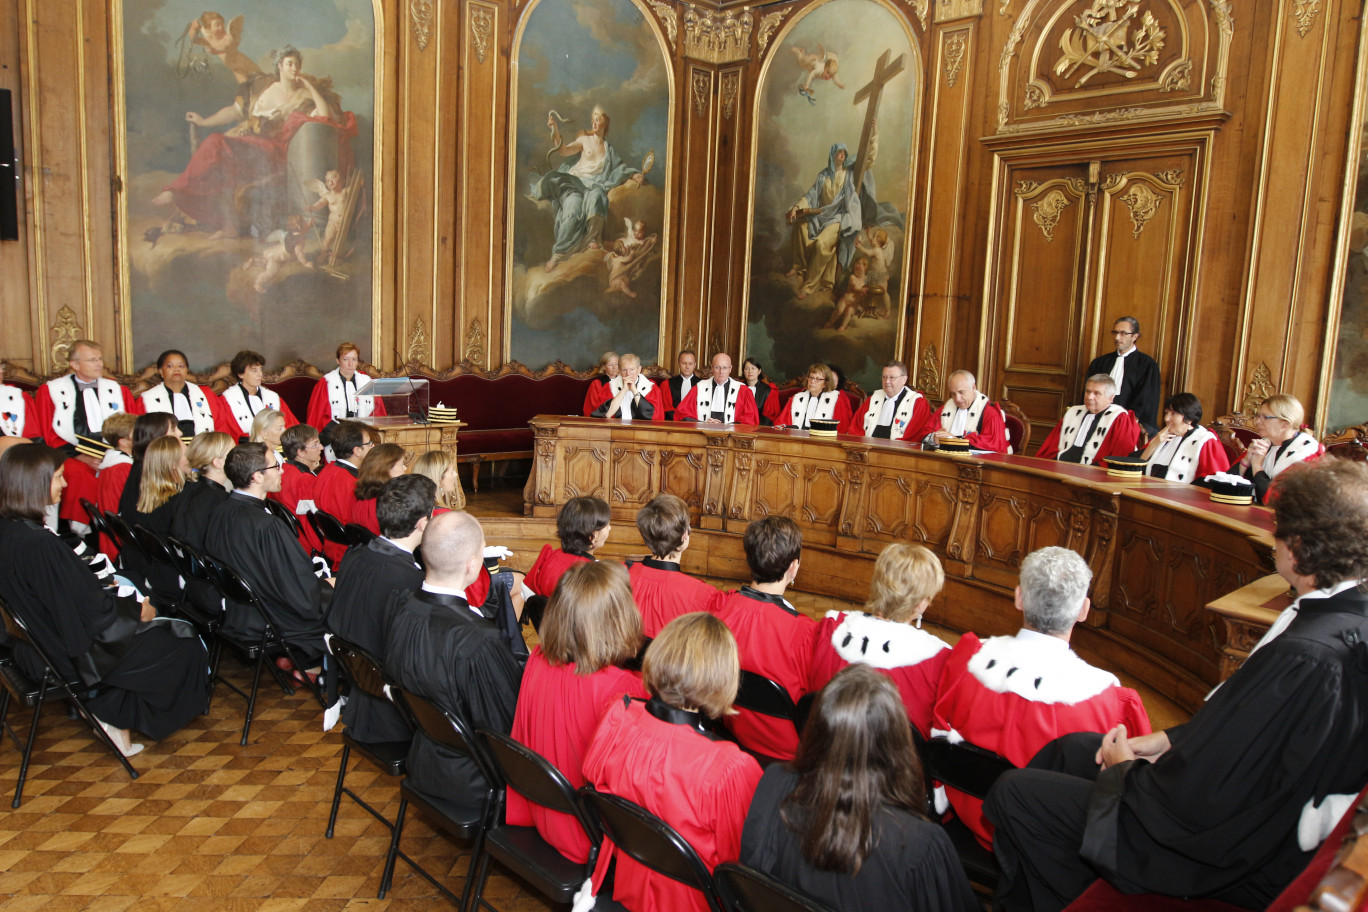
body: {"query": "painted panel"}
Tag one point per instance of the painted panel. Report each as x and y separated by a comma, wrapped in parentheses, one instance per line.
(836, 116)
(589, 177)
(247, 149)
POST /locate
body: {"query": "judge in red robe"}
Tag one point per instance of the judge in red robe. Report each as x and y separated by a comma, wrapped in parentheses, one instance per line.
(17, 415)
(821, 400)
(335, 489)
(1183, 450)
(662, 591)
(302, 452)
(967, 413)
(628, 395)
(894, 412)
(1013, 695)
(336, 397)
(239, 403)
(906, 578)
(582, 526)
(590, 627)
(658, 754)
(773, 638)
(719, 399)
(1094, 430)
(608, 368)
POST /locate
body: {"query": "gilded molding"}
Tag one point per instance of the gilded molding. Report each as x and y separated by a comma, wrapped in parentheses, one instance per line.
(1143, 204)
(1045, 212)
(702, 83)
(1026, 187)
(1177, 77)
(731, 85)
(65, 330)
(954, 58)
(418, 343)
(1033, 97)
(1099, 41)
(1304, 11)
(690, 342)
(717, 38)
(475, 343)
(767, 27)
(1259, 388)
(669, 18)
(481, 23)
(420, 11)
(950, 10)
(929, 372)
(1101, 117)
(922, 8)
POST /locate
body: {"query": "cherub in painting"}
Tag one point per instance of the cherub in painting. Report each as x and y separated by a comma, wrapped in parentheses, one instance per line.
(629, 257)
(222, 39)
(854, 299)
(285, 244)
(332, 194)
(817, 64)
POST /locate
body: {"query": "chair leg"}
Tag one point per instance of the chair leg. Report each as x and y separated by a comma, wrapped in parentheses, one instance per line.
(337, 792)
(251, 700)
(475, 879)
(100, 734)
(387, 878)
(476, 851)
(28, 747)
(215, 654)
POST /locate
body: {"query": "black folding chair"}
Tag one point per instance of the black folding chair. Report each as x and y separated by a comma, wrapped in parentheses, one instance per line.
(460, 821)
(166, 595)
(759, 694)
(287, 515)
(97, 520)
(29, 693)
(971, 770)
(329, 528)
(201, 587)
(358, 534)
(744, 889)
(521, 848)
(650, 841)
(123, 537)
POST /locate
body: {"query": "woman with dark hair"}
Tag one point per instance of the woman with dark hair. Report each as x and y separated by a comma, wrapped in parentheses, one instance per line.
(590, 627)
(660, 754)
(302, 454)
(150, 676)
(582, 526)
(192, 405)
(146, 429)
(381, 464)
(239, 403)
(844, 823)
(766, 397)
(1183, 450)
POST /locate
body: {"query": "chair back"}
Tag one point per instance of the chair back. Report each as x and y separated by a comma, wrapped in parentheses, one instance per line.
(447, 728)
(358, 534)
(16, 628)
(189, 562)
(97, 520)
(744, 889)
(329, 527)
(362, 668)
(123, 536)
(963, 766)
(768, 698)
(535, 778)
(650, 841)
(285, 513)
(153, 545)
(1017, 425)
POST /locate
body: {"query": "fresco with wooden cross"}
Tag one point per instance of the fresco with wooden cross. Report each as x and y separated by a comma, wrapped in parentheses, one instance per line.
(834, 156)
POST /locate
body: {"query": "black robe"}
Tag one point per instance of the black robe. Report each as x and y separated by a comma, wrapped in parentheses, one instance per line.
(913, 864)
(256, 543)
(149, 679)
(366, 580)
(189, 520)
(437, 648)
(1140, 387)
(1217, 814)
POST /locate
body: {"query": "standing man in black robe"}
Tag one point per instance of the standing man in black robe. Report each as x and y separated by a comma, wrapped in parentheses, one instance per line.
(679, 385)
(366, 581)
(440, 648)
(247, 536)
(1136, 374)
(1233, 804)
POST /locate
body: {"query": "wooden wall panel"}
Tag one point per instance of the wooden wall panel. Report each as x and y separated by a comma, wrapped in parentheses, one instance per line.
(17, 291)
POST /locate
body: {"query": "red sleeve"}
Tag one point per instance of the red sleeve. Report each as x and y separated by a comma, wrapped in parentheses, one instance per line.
(1212, 459)
(732, 793)
(923, 421)
(31, 426)
(992, 433)
(855, 423)
(111, 484)
(688, 409)
(1122, 437)
(46, 411)
(1133, 714)
(478, 591)
(746, 412)
(663, 386)
(825, 662)
(320, 410)
(131, 405)
(290, 419)
(363, 514)
(1050, 448)
(842, 412)
(657, 399)
(955, 667)
(224, 420)
(771, 403)
(593, 397)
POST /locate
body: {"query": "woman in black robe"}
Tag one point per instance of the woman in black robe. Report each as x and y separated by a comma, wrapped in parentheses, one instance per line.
(844, 823)
(149, 675)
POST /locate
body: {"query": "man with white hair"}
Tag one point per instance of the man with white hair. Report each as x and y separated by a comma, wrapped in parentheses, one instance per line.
(629, 395)
(1095, 430)
(968, 413)
(719, 399)
(1014, 694)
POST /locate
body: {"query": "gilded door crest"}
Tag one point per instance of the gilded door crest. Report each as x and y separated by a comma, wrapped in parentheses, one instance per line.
(1102, 41)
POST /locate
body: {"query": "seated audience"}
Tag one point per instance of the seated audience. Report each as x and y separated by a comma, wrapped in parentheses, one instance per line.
(676, 389)
(193, 405)
(1183, 450)
(589, 629)
(661, 590)
(766, 396)
(239, 403)
(335, 490)
(968, 414)
(246, 536)
(906, 579)
(303, 454)
(335, 397)
(845, 823)
(719, 399)
(894, 411)
(773, 639)
(145, 675)
(18, 418)
(366, 581)
(1094, 430)
(1232, 804)
(629, 395)
(439, 648)
(821, 399)
(206, 456)
(608, 367)
(267, 427)
(1281, 443)
(146, 428)
(659, 754)
(381, 464)
(1012, 695)
(440, 466)
(582, 526)
(163, 482)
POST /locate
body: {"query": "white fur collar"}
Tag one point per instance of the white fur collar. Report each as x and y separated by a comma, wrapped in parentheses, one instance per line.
(1303, 446)
(1183, 466)
(902, 415)
(705, 393)
(643, 386)
(1073, 420)
(13, 404)
(113, 458)
(363, 406)
(947, 415)
(881, 643)
(158, 399)
(236, 400)
(1034, 670)
(826, 407)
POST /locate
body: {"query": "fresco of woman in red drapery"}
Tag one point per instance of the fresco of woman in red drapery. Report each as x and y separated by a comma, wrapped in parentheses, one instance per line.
(238, 180)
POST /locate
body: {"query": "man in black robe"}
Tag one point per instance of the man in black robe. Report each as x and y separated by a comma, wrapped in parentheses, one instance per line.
(679, 385)
(1233, 804)
(1136, 374)
(366, 580)
(441, 649)
(247, 536)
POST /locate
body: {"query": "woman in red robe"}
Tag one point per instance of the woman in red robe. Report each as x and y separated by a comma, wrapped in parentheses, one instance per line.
(582, 526)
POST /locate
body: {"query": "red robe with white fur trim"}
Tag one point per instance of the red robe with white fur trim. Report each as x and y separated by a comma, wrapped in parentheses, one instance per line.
(986, 429)
(1116, 433)
(912, 419)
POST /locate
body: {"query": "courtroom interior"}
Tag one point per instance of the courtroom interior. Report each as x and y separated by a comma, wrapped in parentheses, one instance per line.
(356, 339)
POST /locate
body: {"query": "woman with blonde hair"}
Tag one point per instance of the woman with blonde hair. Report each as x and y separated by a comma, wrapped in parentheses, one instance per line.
(382, 463)
(589, 629)
(660, 754)
(1281, 443)
(159, 499)
(205, 490)
(608, 369)
(267, 427)
(440, 466)
(887, 633)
